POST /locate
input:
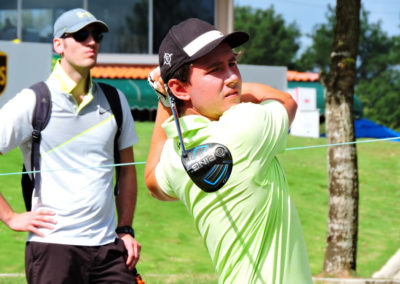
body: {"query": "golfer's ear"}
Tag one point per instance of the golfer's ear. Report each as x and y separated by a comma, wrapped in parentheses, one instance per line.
(178, 88)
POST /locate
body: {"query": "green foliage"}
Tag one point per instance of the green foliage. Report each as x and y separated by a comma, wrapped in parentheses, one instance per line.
(271, 41)
(172, 250)
(378, 81)
(317, 56)
(377, 50)
(381, 99)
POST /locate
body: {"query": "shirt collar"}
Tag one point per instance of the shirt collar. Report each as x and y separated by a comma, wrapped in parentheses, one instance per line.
(66, 84)
(64, 81)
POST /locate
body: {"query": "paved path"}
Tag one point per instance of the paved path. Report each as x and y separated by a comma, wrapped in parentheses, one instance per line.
(12, 275)
(321, 280)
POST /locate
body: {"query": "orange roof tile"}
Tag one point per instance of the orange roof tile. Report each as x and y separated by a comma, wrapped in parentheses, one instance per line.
(121, 71)
(302, 76)
(117, 71)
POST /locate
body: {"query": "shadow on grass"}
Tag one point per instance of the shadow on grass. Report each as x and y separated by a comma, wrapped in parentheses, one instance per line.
(180, 278)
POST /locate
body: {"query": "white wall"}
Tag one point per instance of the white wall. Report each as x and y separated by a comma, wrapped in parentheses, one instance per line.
(274, 76)
(306, 122)
(27, 63)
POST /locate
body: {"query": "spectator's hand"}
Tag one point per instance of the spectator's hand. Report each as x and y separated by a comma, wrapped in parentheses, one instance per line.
(157, 83)
(133, 249)
(32, 221)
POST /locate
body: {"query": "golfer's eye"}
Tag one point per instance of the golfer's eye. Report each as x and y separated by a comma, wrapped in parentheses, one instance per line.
(214, 69)
(233, 63)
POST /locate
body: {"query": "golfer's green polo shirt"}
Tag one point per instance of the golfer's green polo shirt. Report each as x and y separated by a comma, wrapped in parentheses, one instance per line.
(250, 226)
(77, 149)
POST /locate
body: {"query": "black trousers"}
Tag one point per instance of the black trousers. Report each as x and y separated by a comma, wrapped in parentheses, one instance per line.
(56, 264)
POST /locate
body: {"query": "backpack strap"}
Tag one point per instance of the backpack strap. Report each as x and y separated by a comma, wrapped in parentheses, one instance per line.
(112, 96)
(40, 119)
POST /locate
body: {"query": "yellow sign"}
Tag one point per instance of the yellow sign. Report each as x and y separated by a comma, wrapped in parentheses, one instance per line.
(3, 72)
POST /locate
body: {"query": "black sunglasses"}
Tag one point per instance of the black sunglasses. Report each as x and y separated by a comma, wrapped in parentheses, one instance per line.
(82, 35)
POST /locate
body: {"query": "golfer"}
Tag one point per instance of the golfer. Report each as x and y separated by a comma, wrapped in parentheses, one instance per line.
(250, 226)
(72, 226)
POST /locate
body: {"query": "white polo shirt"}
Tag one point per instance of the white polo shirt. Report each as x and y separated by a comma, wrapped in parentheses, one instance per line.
(75, 145)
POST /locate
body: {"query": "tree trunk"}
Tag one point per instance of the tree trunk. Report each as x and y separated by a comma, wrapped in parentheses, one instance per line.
(341, 247)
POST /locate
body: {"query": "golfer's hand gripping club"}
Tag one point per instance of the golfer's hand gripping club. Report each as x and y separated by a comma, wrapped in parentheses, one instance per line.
(155, 81)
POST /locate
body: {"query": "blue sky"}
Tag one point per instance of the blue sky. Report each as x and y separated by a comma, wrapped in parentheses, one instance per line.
(307, 13)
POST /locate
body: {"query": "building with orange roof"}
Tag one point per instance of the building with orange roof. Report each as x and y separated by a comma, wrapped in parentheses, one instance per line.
(311, 80)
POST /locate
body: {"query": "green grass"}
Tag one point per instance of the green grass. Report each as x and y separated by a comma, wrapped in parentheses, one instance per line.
(173, 252)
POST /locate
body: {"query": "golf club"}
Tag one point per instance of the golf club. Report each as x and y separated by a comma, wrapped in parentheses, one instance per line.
(208, 165)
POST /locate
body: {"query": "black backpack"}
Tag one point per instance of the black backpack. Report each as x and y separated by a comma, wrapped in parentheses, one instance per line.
(41, 117)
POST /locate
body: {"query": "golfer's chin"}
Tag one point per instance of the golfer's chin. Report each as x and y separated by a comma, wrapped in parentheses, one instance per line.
(231, 101)
(226, 107)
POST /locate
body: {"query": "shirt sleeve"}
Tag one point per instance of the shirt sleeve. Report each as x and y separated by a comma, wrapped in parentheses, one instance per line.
(16, 120)
(256, 131)
(128, 135)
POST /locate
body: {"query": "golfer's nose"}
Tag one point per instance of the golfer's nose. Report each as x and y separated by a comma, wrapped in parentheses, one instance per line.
(232, 77)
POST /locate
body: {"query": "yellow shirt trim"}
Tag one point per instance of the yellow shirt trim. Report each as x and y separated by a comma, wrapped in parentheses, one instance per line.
(67, 85)
(79, 135)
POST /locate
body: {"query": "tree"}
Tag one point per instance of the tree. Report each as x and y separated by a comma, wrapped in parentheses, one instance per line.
(272, 42)
(341, 247)
(378, 56)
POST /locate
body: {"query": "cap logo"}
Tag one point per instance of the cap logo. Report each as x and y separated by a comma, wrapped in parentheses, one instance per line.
(201, 41)
(167, 58)
(82, 14)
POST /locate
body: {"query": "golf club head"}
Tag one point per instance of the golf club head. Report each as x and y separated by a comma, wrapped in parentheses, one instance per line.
(208, 165)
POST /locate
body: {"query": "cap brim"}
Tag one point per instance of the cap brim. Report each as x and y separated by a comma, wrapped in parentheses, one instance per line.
(102, 25)
(234, 39)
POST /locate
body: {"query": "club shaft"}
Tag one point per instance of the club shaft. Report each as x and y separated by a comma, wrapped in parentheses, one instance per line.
(178, 126)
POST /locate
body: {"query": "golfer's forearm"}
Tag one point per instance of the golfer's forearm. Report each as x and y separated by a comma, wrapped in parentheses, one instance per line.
(256, 93)
(157, 141)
